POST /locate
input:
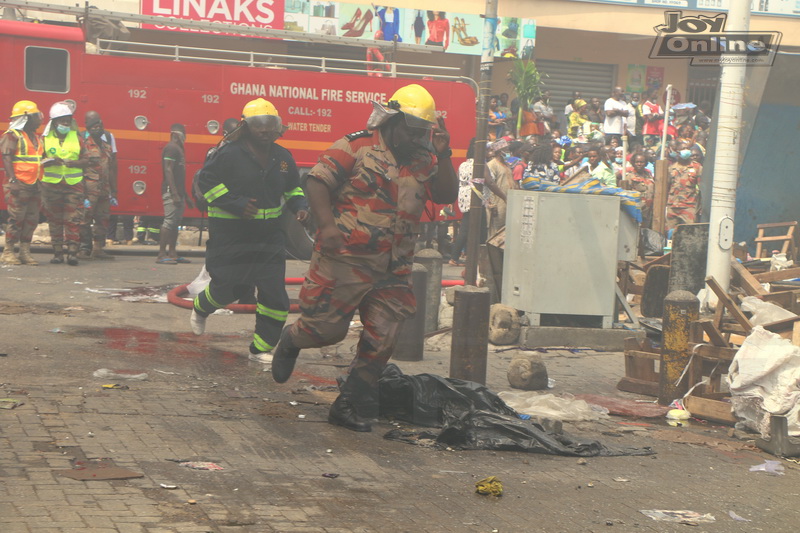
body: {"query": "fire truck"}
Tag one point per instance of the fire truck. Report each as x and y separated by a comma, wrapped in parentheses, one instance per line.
(142, 90)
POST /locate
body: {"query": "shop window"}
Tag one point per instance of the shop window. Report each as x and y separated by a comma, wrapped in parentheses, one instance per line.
(46, 69)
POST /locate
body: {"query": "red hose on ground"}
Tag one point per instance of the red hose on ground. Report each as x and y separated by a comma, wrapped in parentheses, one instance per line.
(176, 296)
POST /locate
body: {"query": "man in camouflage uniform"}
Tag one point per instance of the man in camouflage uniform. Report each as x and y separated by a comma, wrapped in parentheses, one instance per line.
(22, 150)
(367, 193)
(683, 202)
(100, 178)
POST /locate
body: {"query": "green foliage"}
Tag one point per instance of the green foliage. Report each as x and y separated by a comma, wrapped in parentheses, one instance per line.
(527, 81)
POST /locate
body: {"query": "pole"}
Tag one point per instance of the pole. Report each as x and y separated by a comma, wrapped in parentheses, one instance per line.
(667, 106)
(432, 261)
(411, 340)
(681, 308)
(726, 152)
(481, 136)
(469, 350)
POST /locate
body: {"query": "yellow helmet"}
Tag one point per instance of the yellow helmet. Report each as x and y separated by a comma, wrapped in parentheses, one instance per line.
(24, 107)
(414, 100)
(259, 107)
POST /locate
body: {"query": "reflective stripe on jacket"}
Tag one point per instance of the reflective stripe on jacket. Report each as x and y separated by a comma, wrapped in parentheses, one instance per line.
(69, 150)
(27, 161)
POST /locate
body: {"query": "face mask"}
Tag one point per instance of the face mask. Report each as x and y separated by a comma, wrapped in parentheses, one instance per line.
(635, 102)
(686, 154)
(63, 130)
(618, 160)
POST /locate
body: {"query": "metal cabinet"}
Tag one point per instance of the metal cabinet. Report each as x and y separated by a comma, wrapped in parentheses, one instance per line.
(561, 253)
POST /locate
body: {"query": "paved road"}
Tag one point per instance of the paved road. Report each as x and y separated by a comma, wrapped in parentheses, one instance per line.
(205, 401)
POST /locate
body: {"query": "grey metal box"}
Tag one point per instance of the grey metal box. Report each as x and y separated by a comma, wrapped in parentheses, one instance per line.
(561, 253)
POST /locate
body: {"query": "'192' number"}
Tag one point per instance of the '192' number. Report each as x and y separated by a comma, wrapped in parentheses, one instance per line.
(138, 169)
(137, 93)
(210, 98)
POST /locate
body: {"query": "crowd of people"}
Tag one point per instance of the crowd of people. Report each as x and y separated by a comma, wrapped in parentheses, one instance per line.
(70, 176)
(584, 143)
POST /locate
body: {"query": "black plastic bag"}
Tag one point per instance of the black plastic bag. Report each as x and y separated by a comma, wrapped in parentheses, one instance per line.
(651, 242)
(473, 417)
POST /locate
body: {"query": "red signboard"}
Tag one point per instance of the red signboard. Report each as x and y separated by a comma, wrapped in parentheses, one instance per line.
(255, 13)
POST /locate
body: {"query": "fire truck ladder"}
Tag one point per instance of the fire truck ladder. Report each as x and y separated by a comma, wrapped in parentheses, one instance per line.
(254, 59)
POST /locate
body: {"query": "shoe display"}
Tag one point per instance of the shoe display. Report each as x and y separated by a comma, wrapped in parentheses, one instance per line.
(197, 322)
(284, 357)
(358, 31)
(353, 21)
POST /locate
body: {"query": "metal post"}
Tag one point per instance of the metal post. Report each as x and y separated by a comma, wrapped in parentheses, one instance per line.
(470, 347)
(726, 152)
(411, 340)
(432, 261)
(681, 308)
(481, 136)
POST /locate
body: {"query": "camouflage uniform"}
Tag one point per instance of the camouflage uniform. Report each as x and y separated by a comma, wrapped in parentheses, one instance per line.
(23, 200)
(98, 190)
(377, 204)
(683, 202)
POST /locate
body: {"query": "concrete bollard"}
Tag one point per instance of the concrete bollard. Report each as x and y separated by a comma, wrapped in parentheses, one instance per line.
(411, 340)
(432, 260)
(681, 308)
(470, 347)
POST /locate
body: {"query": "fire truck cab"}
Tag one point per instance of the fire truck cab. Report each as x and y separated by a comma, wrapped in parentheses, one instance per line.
(142, 90)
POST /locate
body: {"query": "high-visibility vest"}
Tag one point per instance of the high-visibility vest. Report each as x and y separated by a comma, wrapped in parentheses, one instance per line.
(69, 150)
(27, 161)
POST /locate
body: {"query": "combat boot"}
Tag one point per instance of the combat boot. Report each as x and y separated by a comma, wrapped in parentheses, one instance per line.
(99, 253)
(343, 413)
(84, 253)
(58, 254)
(284, 357)
(25, 254)
(9, 257)
(72, 254)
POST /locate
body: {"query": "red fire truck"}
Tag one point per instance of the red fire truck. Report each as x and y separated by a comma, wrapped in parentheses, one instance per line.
(141, 91)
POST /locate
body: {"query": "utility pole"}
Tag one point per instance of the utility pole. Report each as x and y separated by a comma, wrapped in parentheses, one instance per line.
(481, 136)
(727, 151)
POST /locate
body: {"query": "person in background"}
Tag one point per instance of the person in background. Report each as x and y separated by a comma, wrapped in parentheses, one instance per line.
(502, 177)
(616, 113)
(599, 168)
(63, 188)
(653, 117)
(101, 188)
(577, 119)
(173, 195)
(22, 150)
(595, 111)
(466, 185)
(545, 160)
(639, 179)
(683, 200)
(498, 120)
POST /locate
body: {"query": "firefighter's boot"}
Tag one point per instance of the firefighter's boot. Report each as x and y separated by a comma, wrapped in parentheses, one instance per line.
(58, 254)
(25, 254)
(72, 254)
(99, 253)
(344, 413)
(9, 257)
(284, 357)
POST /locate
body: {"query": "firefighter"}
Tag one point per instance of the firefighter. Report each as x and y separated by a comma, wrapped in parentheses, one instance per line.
(101, 187)
(63, 189)
(367, 193)
(246, 183)
(22, 160)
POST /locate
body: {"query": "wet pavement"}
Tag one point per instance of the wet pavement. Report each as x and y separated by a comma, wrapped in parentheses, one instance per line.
(204, 400)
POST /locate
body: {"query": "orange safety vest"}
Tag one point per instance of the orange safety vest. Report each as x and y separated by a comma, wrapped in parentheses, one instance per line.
(27, 161)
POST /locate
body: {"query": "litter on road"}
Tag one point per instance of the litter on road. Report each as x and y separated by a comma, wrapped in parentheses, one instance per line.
(774, 468)
(681, 517)
(489, 486)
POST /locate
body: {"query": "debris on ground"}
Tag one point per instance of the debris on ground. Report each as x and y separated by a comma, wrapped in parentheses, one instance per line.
(10, 403)
(681, 517)
(489, 486)
(132, 375)
(473, 417)
(690, 438)
(773, 468)
(623, 407)
(200, 465)
(737, 517)
(528, 372)
(330, 475)
(565, 407)
(168, 487)
(116, 386)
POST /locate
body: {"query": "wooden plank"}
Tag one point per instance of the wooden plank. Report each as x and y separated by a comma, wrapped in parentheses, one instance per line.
(660, 195)
(663, 260)
(709, 409)
(796, 334)
(778, 275)
(787, 324)
(644, 355)
(777, 225)
(638, 386)
(714, 335)
(746, 280)
(774, 238)
(729, 304)
(714, 353)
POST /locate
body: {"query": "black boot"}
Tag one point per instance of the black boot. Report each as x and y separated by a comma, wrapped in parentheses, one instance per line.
(284, 357)
(343, 413)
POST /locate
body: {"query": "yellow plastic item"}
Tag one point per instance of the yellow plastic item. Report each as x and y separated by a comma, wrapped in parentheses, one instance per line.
(490, 485)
